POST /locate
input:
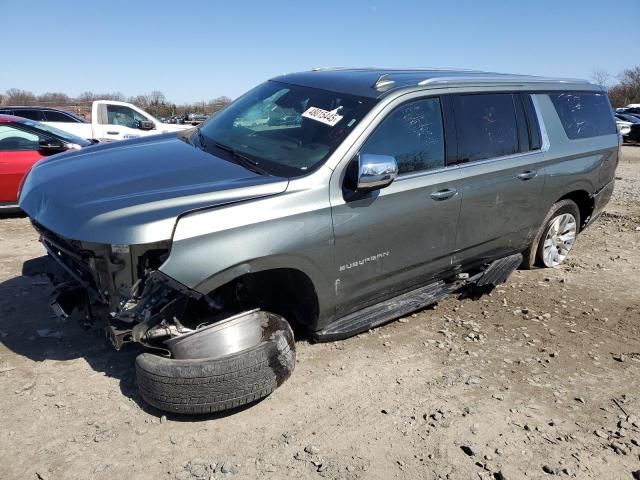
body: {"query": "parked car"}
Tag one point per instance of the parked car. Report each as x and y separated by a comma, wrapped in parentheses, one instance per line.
(110, 120)
(43, 114)
(635, 111)
(629, 127)
(22, 143)
(196, 118)
(385, 192)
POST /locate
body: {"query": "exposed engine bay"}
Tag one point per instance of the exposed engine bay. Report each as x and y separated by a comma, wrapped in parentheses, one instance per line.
(120, 287)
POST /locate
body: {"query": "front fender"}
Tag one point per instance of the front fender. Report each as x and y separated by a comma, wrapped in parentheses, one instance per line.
(291, 230)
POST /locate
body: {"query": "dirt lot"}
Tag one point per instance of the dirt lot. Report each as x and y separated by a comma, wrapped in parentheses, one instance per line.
(540, 378)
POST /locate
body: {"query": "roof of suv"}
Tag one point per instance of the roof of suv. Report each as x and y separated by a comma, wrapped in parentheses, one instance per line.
(378, 82)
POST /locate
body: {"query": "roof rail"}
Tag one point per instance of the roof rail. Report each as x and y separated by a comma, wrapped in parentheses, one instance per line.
(322, 69)
(499, 79)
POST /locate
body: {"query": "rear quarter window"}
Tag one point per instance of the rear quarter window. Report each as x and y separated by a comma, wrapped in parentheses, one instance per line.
(53, 116)
(584, 115)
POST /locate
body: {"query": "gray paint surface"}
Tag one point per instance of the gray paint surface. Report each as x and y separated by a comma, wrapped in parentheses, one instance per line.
(225, 221)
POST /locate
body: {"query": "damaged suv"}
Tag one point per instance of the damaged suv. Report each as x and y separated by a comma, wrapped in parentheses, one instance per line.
(331, 201)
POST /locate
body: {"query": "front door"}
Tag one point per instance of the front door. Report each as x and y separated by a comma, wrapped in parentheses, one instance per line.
(396, 238)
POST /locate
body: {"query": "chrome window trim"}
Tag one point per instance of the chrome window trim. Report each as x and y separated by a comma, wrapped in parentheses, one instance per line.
(544, 148)
(460, 166)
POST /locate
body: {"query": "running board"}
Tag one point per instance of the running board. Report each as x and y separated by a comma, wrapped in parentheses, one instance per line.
(499, 270)
(383, 312)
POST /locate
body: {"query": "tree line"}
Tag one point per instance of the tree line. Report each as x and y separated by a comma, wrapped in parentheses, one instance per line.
(625, 91)
(155, 102)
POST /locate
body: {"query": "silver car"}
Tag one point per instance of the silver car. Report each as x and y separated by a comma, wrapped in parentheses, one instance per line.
(374, 194)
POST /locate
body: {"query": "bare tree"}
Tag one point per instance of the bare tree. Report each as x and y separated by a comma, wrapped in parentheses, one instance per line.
(157, 98)
(15, 96)
(155, 102)
(628, 90)
(54, 99)
(86, 97)
(600, 77)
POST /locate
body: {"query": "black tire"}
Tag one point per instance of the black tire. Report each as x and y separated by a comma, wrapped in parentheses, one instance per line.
(532, 256)
(214, 385)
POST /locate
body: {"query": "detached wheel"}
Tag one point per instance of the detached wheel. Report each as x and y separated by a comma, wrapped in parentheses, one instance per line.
(240, 375)
(556, 238)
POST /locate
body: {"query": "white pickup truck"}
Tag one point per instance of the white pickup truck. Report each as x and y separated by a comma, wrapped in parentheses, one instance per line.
(110, 120)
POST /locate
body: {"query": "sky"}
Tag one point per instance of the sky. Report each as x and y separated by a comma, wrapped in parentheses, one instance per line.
(194, 50)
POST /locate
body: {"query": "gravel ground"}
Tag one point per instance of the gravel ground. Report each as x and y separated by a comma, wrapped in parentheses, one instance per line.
(539, 378)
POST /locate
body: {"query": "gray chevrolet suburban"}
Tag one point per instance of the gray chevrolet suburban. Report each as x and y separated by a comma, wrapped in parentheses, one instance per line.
(329, 202)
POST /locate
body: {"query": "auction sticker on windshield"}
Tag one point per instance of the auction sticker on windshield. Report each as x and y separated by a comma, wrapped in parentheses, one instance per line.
(328, 117)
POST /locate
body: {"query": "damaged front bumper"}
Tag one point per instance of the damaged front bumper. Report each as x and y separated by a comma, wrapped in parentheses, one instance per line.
(119, 287)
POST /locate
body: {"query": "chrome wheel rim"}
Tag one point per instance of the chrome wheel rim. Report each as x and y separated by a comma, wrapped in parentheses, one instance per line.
(561, 235)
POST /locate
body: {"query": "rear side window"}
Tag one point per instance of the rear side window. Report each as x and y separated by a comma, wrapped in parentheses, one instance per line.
(486, 126)
(584, 115)
(30, 114)
(53, 116)
(413, 134)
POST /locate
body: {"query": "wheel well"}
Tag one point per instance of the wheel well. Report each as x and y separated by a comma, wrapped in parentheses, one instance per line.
(585, 205)
(285, 291)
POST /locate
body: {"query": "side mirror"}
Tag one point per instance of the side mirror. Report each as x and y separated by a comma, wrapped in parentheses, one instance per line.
(51, 145)
(375, 171)
(146, 125)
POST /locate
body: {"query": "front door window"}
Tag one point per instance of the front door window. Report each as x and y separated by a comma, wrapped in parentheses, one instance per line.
(124, 116)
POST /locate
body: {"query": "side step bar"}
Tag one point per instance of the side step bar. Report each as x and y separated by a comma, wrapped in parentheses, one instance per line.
(383, 312)
(494, 274)
(498, 271)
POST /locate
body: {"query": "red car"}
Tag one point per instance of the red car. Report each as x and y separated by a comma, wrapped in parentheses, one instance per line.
(22, 143)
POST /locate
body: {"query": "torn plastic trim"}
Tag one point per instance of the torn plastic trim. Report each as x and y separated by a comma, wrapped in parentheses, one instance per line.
(161, 302)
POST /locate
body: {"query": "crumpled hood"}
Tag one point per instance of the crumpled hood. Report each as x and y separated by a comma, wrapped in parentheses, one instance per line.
(132, 192)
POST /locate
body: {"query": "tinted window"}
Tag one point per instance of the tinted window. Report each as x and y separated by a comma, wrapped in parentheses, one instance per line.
(12, 139)
(53, 116)
(413, 134)
(30, 114)
(584, 115)
(486, 126)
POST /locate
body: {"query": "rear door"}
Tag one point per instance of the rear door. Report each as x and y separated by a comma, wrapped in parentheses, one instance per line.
(18, 152)
(500, 161)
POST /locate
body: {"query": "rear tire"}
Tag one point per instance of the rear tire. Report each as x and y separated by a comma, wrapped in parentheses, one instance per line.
(534, 255)
(213, 385)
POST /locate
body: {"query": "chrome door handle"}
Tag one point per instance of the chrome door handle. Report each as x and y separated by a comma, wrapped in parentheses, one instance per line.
(528, 175)
(444, 194)
(112, 133)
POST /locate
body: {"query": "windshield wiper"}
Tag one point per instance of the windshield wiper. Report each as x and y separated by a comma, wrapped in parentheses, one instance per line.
(248, 162)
